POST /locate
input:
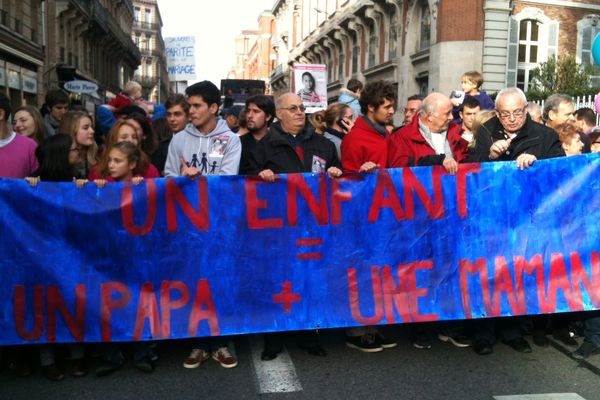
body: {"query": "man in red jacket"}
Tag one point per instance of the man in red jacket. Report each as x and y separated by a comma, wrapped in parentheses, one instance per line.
(364, 148)
(426, 141)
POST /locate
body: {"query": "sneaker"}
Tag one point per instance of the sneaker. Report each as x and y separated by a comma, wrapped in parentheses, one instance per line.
(457, 339)
(225, 358)
(196, 357)
(421, 340)
(585, 350)
(566, 337)
(384, 342)
(366, 343)
(52, 373)
(519, 344)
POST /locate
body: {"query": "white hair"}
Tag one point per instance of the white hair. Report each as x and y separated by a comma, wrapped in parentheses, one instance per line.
(510, 91)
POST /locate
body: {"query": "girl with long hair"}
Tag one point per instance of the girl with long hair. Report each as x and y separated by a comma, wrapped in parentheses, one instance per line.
(28, 121)
(80, 126)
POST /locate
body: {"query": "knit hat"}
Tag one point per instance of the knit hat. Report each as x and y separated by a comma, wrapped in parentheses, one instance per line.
(5, 105)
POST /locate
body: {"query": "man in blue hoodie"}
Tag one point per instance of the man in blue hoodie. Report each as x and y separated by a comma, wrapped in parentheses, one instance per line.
(206, 146)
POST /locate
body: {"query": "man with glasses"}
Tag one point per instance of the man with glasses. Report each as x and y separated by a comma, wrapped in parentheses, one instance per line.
(292, 145)
(559, 109)
(513, 136)
(413, 103)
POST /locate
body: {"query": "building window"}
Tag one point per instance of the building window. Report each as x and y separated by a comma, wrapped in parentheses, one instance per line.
(147, 15)
(340, 60)
(355, 53)
(392, 39)
(136, 14)
(533, 39)
(149, 72)
(587, 29)
(373, 45)
(425, 27)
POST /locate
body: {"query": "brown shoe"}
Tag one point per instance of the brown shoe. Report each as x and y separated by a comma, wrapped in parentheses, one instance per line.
(225, 358)
(196, 357)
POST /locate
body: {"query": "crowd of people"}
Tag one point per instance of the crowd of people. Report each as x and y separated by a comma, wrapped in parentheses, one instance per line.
(129, 141)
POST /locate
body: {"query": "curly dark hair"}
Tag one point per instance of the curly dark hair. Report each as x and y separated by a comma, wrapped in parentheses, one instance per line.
(375, 94)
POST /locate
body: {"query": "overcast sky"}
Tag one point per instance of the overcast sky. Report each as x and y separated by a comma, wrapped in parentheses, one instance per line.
(215, 25)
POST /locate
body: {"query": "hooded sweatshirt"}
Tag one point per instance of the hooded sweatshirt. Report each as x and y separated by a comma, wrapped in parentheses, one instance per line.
(215, 153)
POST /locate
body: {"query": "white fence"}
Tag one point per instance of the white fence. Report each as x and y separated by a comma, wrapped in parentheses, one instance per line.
(580, 102)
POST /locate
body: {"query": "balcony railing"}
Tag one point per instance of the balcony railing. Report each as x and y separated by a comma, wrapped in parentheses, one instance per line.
(146, 80)
(149, 26)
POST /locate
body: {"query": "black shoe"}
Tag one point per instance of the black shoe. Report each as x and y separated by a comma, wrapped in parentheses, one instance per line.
(540, 339)
(366, 343)
(270, 353)
(483, 347)
(144, 365)
(563, 335)
(384, 342)
(107, 368)
(585, 350)
(457, 339)
(519, 344)
(52, 373)
(79, 368)
(421, 342)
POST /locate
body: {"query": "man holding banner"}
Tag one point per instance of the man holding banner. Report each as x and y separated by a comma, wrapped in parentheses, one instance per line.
(511, 135)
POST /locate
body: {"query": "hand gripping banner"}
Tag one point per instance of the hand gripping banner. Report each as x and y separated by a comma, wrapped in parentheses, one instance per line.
(173, 258)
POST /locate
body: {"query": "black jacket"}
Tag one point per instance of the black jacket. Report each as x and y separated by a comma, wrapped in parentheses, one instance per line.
(275, 152)
(248, 144)
(533, 138)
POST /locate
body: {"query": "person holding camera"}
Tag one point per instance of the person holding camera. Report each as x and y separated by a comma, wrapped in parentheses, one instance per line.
(334, 122)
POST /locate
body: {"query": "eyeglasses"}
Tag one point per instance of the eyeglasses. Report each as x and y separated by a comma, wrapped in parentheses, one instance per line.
(294, 109)
(515, 114)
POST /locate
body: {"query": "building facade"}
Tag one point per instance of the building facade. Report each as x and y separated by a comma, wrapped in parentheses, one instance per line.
(152, 72)
(426, 45)
(21, 50)
(255, 54)
(89, 40)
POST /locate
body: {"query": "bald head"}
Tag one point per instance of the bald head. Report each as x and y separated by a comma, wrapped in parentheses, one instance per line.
(290, 113)
(436, 112)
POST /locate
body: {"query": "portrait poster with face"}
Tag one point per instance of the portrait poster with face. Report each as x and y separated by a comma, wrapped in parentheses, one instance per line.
(310, 83)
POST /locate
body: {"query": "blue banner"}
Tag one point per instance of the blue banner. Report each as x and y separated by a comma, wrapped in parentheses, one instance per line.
(173, 258)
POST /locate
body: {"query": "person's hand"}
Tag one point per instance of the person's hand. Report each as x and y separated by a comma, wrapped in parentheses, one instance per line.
(80, 183)
(136, 180)
(450, 165)
(498, 148)
(187, 171)
(525, 161)
(368, 167)
(33, 181)
(346, 124)
(100, 182)
(334, 172)
(267, 175)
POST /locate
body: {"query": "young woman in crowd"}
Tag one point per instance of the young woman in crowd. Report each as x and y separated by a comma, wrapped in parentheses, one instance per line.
(146, 135)
(334, 123)
(123, 130)
(124, 165)
(79, 125)
(29, 122)
(58, 157)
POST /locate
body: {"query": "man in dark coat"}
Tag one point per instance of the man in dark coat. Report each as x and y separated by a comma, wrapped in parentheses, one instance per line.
(292, 145)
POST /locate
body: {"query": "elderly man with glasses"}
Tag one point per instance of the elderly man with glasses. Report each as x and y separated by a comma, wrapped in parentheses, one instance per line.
(512, 135)
(292, 145)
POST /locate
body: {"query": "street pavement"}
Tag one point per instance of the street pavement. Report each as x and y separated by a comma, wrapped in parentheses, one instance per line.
(443, 372)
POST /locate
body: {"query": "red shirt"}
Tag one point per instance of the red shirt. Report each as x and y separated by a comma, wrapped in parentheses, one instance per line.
(362, 144)
(407, 146)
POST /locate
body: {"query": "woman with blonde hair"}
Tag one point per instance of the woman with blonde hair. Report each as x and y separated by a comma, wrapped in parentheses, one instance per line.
(334, 123)
(28, 121)
(80, 126)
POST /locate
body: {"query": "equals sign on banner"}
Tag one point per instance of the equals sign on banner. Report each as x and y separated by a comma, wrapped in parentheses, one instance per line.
(309, 242)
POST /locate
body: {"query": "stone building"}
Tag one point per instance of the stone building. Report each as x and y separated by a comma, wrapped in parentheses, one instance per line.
(89, 40)
(255, 54)
(426, 45)
(21, 50)
(152, 72)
